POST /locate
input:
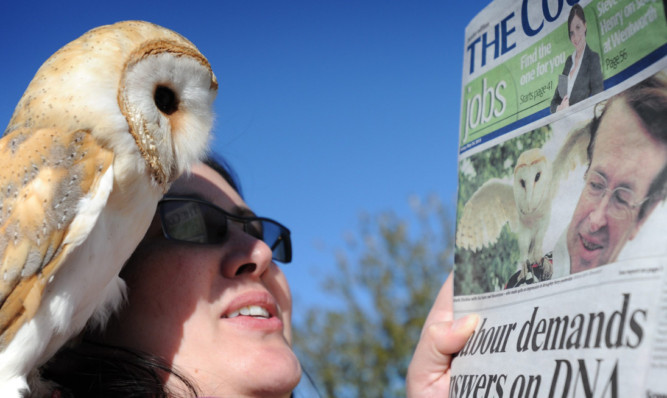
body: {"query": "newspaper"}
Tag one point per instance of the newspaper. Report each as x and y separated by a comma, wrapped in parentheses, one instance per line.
(561, 241)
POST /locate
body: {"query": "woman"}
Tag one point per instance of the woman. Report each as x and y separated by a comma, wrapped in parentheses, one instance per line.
(583, 70)
(208, 311)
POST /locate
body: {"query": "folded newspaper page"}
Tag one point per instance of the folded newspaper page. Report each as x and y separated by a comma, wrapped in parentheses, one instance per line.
(561, 236)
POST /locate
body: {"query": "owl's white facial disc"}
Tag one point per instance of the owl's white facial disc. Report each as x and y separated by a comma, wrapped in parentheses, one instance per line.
(167, 99)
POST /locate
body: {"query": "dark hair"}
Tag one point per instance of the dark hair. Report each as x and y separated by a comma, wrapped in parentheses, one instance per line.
(91, 369)
(222, 167)
(578, 11)
(648, 99)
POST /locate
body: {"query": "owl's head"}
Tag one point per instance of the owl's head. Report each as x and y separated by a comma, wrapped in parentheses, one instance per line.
(532, 179)
(166, 94)
(130, 77)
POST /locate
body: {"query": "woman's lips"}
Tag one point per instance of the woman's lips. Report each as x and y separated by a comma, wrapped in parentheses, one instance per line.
(254, 310)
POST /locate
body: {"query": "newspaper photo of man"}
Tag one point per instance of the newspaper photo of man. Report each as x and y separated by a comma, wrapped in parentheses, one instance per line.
(627, 176)
(625, 180)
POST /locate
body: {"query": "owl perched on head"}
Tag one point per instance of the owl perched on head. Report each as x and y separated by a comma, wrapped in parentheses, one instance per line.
(105, 126)
(524, 204)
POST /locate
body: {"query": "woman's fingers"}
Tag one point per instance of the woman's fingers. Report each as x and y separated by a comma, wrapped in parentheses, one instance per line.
(428, 373)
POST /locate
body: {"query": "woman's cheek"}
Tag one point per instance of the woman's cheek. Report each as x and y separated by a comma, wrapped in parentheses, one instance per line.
(276, 283)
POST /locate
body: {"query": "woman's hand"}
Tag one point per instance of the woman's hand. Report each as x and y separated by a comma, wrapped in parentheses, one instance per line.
(429, 370)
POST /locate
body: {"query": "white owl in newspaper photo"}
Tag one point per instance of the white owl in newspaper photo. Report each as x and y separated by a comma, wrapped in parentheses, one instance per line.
(105, 126)
(524, 202)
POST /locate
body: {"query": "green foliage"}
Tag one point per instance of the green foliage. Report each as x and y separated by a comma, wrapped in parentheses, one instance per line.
(489, 269)
(386, 281)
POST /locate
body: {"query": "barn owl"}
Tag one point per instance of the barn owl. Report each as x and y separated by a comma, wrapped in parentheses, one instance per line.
(105, 126)
(524, 203)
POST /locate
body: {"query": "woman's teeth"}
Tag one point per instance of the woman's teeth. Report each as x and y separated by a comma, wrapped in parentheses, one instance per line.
(251, 310)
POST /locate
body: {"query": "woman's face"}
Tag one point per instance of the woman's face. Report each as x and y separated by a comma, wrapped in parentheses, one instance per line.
(181, 296)
(578, 33)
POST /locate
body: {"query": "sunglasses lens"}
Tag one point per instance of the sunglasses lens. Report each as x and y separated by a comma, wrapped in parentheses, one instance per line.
(198, 222)
(278, 240)
(192, 222)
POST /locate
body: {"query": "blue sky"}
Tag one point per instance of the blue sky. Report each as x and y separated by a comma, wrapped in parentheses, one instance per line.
(325, 108)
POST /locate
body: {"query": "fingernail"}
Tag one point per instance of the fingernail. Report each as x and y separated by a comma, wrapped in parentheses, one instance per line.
(464, 322)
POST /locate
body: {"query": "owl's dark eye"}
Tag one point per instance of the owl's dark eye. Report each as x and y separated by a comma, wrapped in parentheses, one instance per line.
(537, 176)
(165, 100)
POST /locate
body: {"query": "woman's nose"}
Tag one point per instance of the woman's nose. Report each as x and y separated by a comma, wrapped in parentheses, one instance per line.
(245, 254)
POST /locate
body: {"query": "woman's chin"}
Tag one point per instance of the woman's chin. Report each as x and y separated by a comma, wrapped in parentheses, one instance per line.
(281, 370)
(274, 372)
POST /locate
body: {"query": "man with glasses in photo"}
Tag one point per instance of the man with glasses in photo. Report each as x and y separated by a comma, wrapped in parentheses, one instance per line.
(625, 181)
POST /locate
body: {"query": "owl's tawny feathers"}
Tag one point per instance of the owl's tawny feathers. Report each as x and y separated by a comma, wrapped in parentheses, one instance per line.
(107, 68)
(107, 123)
(42, 185)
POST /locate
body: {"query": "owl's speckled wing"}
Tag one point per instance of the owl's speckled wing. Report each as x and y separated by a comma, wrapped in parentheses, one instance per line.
(485, 214)
(46, 179)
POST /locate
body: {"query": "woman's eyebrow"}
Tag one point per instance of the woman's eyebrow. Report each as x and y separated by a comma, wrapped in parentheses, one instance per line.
(242, 211)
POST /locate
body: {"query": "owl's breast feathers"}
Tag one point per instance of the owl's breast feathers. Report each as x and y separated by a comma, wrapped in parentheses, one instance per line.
(44, 175)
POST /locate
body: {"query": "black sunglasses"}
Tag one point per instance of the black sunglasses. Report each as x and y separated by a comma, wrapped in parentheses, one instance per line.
(197, 221)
